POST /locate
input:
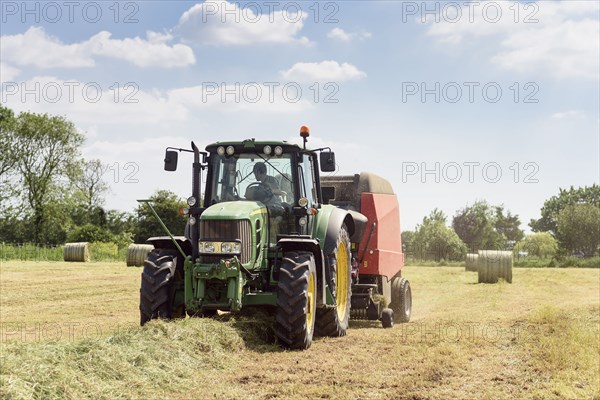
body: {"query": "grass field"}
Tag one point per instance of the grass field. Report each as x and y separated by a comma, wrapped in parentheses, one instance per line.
(71, 331)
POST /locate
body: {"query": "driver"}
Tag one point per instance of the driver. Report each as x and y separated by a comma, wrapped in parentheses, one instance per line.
(260, 173)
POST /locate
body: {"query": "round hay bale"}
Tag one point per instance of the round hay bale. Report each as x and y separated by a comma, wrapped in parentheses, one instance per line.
(137, 254)
(78, 252)
(471, 262)
(494, 264)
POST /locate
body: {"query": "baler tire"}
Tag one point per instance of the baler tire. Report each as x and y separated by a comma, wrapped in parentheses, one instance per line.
(296, 300)
(333, 321)
(401, 299)
(157, 286)
(387, 318)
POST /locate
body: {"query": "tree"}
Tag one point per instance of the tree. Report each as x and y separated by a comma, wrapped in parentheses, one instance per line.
(555, 204)
(167, 205)
(407, 238)
(508, 225)
(579, 228)
(541, 244)
(49, 145)
(9, 159)
(434, 240)
(89, 185)
(476, 226)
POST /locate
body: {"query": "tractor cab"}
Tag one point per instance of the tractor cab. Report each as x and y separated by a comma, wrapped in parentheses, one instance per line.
(278, 176)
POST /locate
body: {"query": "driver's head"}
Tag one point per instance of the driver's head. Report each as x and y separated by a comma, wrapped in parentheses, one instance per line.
(260, 171)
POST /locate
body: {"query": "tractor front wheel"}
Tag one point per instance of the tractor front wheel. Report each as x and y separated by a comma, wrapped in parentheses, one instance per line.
(157, 290)
(334, 321)
(296, 300)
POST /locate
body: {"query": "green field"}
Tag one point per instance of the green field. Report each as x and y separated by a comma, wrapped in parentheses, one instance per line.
(70, 330)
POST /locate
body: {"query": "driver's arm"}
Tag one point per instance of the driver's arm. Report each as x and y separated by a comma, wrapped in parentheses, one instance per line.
(272, 182)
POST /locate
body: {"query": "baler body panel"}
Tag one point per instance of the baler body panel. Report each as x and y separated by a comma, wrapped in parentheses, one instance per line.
(381, 244)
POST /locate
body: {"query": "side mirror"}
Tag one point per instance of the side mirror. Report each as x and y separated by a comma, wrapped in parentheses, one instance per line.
(327, 161)
(171, 160)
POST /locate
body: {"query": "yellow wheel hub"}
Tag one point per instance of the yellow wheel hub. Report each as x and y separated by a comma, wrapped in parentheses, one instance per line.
(312, 296)
(342, 281)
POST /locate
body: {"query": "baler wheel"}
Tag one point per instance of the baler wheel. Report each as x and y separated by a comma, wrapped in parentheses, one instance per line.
(387, 318)
(157, 287)
(334, 321)
(296, 300)
(401, 299)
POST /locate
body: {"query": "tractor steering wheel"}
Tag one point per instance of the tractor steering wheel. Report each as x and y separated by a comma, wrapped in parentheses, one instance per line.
(262, 192)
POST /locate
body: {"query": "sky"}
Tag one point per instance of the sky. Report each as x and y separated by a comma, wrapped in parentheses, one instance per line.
(452, 102)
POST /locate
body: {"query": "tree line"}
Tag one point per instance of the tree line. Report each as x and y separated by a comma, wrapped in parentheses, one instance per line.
(569, 226)
(49, 194)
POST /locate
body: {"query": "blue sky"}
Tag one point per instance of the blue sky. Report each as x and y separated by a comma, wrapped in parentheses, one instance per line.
(174, 60)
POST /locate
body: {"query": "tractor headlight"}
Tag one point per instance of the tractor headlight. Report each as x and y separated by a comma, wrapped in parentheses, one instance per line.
(231, 247)
(220, 247)
(230, 150)
(267, 150)
(191, 201)
(221, 150)
(278, 151)
(207, 247)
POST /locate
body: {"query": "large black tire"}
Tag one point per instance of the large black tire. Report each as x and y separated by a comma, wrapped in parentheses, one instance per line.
(157, 290)
(296, 300)
(401, 299)
(334, 321)
(387, 318)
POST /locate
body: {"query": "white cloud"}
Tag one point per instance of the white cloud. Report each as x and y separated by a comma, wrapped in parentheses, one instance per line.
(559, 38)
(330, 71)
(343, 36)
(153, 52)
(35, 47)
(8, 72)
(234, 98)
(91, 104)
(569, 114)
(224, 23)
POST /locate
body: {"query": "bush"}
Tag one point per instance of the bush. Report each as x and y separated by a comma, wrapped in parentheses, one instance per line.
(574, 262)
(100, 251)
(90, 233)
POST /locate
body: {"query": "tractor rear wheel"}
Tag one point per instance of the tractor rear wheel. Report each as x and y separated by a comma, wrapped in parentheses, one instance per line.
(296, 300)
(401, 299)
(334, 321)
(157, 290)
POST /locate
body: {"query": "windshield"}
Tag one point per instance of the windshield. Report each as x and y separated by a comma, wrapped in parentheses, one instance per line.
(252, 177)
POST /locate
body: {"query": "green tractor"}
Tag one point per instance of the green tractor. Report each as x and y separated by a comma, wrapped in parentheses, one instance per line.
(261, 235)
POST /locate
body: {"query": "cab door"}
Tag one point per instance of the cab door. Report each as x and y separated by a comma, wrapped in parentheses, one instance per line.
(308, 188)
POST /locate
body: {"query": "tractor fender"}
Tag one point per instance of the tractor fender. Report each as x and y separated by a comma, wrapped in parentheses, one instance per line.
(292, 243)
(165, 242)
(337, 219)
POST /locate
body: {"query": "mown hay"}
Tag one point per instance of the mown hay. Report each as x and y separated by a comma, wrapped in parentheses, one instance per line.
(137, 253)
(494, 264)
(78, 252)
(471, 262)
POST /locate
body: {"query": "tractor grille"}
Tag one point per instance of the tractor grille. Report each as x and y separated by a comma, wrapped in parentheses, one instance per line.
(224, 231)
